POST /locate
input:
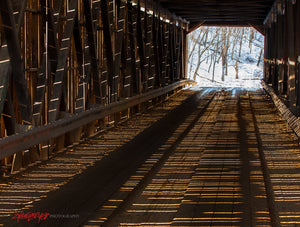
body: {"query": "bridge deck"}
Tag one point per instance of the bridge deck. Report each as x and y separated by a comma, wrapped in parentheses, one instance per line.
(219, 158)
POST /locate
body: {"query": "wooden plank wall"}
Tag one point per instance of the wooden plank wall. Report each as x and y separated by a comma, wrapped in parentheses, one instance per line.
(62, 57)
(282, 51)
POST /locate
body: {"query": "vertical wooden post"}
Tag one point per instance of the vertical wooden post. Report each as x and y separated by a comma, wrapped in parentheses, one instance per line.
(297, 54)
(281, 48)
(291, 62)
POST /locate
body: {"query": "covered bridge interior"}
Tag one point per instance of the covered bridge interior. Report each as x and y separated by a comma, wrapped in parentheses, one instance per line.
(72, 69)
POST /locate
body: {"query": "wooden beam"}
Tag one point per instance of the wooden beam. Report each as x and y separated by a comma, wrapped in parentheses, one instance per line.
(5, 71)
(260, 28)
(63, 54)
(84, 66)
(18, 142)
(198, 25)
(90, 25)
(47, 70)
(119, 40)
(11, 36)
(106, 20)
(135, 79)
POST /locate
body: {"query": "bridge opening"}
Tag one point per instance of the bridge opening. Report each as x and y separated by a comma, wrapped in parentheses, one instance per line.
(226, 57)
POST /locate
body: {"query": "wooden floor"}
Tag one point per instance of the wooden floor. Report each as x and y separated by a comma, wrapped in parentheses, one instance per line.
(218, 158)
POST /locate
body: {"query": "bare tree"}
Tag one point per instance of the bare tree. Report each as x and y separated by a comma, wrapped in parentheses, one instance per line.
(260, 56)
(241, 41)
(202, 51)
(212, 45)
(236, 69)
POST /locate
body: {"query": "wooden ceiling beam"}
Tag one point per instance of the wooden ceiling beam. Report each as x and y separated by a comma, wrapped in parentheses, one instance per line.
(196, 26)
(215, 11)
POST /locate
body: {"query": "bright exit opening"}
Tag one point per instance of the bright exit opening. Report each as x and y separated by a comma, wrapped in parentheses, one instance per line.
(226, 57)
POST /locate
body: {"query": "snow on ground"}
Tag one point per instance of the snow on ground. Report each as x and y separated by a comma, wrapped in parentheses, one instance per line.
(249, 73)
(249, 76)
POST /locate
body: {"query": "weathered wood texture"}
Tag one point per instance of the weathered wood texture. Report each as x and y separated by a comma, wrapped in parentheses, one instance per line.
(292, 120)
(64, 57)
(282, 52)
(221, 12)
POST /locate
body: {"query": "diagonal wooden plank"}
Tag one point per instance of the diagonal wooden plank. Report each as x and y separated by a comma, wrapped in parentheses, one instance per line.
(119, 39)
(90, 29)
(51, 58)
(152, 71)
(11, 36)
(141, 46)
(84, 64)
(135, 80)
(148, 34)
(160, 46)
(167, 51)
(9, 116)
(164, 36)
(176, 52)
(126, 63)
(63, 54)
(179, 51)
(135, 51)
(19, 9)
(156, 50)
(106, 15)
(172, 49)
(5, 71)
(101, 77)
(144, 42)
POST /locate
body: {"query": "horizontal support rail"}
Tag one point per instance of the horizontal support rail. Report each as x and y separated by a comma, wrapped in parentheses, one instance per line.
(292, 120)
(23, 141)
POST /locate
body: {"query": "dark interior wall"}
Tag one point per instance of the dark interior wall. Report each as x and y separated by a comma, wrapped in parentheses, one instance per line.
(77, 54)
(62, 58)
(282, 51)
